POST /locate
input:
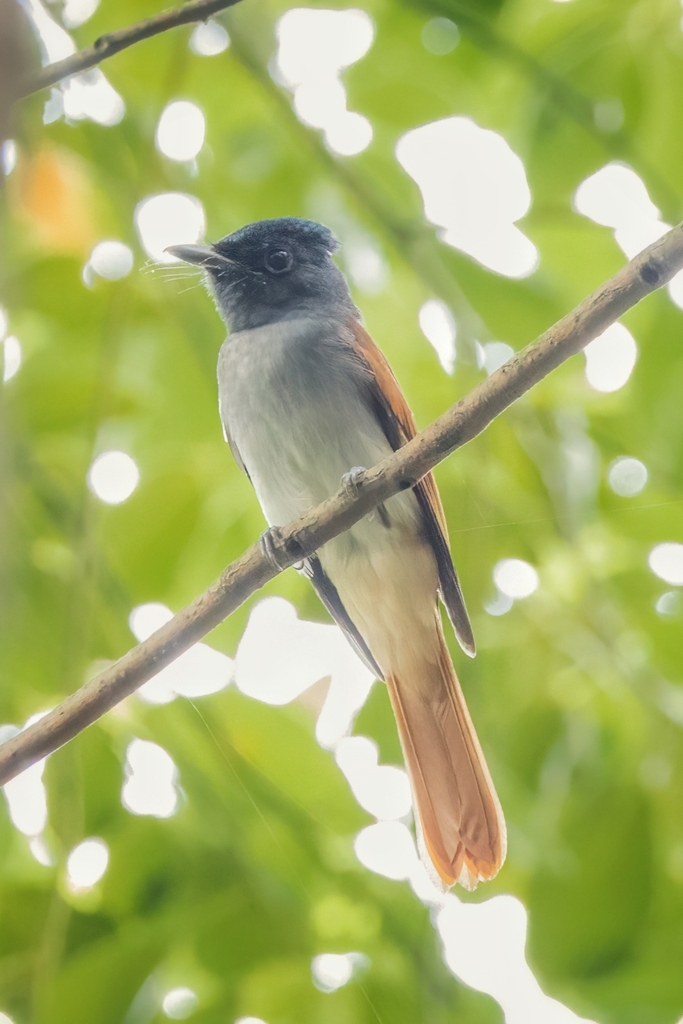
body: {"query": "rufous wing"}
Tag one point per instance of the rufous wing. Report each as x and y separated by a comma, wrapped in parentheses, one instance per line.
(399, 427)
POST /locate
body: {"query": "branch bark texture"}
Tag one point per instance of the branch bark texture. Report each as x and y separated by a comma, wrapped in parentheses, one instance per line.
(121, 39)
(651, 269)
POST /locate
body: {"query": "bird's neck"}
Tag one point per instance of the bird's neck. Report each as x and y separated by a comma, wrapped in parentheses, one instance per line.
(247, 317)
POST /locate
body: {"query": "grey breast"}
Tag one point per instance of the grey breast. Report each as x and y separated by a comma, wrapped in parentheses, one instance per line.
(292, 400)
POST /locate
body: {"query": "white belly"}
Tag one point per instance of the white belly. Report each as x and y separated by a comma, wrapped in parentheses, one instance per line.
(297, 416)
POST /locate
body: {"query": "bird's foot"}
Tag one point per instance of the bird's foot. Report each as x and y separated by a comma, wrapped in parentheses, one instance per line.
(352, 480)
(273, 549)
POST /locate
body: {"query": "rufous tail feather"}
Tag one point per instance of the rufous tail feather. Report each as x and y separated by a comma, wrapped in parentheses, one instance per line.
(461, 829)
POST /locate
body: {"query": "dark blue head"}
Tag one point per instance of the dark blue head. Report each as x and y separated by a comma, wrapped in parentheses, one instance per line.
(273, 270)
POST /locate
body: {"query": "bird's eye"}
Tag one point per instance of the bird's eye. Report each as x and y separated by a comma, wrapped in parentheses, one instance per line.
(279, 261)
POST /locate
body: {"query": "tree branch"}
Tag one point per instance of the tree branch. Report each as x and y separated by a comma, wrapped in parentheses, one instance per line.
(121, 39)
(654, 267)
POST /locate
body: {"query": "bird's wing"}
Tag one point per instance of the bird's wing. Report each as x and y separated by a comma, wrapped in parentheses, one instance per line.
(399, 427)
(327, 592)
(324, 587)
(235, 451)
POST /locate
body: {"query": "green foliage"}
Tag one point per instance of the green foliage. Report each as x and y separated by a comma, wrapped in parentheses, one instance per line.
(576, 691)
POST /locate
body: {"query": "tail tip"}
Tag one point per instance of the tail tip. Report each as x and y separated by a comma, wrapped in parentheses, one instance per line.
(465, 869)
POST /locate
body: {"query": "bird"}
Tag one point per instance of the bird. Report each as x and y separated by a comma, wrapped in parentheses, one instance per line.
(307, 400)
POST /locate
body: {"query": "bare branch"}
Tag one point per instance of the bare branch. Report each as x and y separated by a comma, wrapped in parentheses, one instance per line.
(654, 267)
(121, 39)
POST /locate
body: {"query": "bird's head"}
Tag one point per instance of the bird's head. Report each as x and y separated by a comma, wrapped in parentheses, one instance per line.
(272, 270)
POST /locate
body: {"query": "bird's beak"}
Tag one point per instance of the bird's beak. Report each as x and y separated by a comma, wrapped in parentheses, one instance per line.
(201, 255)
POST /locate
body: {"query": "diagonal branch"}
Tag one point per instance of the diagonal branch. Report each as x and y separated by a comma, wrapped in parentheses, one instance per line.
(654, 267)
(114, 42)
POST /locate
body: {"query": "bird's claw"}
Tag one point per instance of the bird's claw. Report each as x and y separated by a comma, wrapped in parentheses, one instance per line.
(273, 549)
(352, 480)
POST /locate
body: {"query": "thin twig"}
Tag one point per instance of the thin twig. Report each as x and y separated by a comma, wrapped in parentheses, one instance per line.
(114, 42)
(654, 267)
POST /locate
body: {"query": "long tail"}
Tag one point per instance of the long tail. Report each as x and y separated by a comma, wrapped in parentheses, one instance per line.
(461, 829)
